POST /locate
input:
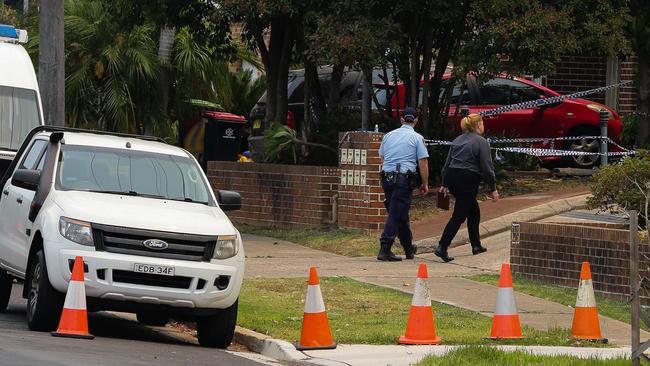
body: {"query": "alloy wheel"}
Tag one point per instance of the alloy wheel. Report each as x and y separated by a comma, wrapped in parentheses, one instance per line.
(585, 145)
(33, 289)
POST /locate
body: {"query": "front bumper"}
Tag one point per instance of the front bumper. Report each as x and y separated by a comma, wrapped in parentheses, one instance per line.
(110, 277)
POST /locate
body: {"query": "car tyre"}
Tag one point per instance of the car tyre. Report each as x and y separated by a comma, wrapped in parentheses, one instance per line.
(6, 282)
(153, 319)
(44, 303)
(217, 330)
(588, 145)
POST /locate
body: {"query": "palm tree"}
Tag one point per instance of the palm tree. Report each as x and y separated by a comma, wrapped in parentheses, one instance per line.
(111, 69)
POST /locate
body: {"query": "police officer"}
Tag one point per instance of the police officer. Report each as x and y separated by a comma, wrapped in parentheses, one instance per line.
(400, 151)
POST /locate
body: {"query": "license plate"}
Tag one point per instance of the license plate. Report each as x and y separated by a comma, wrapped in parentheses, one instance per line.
(148, 268)
(257, 124)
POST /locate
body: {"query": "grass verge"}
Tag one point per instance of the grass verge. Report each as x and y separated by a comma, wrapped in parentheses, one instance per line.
(339, 241)
(360, 313)
(486, 356)
(566, 296)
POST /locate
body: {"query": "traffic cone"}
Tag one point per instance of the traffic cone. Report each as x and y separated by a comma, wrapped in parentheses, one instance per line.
(74, 319)
(505, 323)
(420, 328)
(316, 332)
(585, 317)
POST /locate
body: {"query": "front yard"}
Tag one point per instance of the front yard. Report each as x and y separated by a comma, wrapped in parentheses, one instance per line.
(360, 313)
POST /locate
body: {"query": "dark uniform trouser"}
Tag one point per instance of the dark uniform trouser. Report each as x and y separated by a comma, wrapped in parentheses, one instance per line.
(464, 186)
(397, 199)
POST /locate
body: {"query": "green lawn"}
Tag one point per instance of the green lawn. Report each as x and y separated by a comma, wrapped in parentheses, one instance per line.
(486, 356)
(566, 296)
(360, 313)
(339, 241)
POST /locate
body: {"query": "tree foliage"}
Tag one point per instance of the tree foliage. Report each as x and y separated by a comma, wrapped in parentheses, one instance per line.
(626, 186)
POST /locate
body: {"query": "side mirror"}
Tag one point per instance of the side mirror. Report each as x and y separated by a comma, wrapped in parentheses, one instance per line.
(229, 200)
(26, 178)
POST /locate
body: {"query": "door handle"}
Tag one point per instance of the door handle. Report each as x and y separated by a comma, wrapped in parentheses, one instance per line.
(5, 192)
(19, 200)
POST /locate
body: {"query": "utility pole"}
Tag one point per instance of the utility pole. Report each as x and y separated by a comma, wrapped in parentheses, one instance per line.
(51, 62)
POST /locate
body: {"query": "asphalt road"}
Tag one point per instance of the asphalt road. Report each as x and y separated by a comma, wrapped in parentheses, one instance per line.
(118, 341)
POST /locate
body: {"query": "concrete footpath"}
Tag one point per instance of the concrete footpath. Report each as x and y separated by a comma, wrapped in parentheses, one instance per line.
(270, 258)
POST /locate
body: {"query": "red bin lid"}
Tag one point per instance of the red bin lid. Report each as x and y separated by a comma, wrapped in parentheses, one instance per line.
(224, 116)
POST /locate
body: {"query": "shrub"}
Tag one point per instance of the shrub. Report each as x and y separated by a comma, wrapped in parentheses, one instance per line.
(623, 186)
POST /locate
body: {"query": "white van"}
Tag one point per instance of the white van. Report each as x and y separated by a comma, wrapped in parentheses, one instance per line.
(20, 101)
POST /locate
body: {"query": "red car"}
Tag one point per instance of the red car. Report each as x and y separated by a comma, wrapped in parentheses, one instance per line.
(573, 117)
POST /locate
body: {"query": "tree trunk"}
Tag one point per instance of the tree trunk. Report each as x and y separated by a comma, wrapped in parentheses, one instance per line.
(288, 41)
(415, 81)
(270, 58)
(311, 89)
(643, 107)
(426, 73)
(334, 95)
(165, 48)
(51, 62)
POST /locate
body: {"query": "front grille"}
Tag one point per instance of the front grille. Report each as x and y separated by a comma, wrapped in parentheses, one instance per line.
(121, 240)
(148, 279)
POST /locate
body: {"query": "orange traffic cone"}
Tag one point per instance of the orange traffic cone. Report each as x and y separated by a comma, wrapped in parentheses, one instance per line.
(420, 328)
(315, 326)
(74, 319)
(505, 323)
(585, 318)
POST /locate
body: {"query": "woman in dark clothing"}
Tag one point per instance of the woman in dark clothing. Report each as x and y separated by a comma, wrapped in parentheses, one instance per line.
(468, 161)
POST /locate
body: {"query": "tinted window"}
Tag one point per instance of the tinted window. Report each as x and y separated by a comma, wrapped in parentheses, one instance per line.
(459, 95)
(501, 91)
(18, 116)
(32, 157)
(122, 170)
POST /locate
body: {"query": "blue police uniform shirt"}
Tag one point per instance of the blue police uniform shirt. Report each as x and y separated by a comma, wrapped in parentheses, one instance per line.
(402, 146)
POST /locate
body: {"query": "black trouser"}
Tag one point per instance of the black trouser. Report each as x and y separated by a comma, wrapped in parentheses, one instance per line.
(464, 186)
(397, 200)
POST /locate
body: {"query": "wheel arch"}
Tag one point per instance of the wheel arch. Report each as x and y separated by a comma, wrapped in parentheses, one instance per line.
(582, 126)
(37, 244)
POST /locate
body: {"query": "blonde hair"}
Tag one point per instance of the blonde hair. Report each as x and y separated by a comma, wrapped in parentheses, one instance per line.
(470, 122)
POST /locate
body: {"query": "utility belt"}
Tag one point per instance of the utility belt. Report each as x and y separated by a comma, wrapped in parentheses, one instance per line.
(413, 178)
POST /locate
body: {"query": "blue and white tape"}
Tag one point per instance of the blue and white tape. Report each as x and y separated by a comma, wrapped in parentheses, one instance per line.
(540, 152)
(547, 101)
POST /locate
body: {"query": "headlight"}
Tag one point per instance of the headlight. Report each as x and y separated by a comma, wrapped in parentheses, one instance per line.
(226, 247)
(597, 107)
(76, 231)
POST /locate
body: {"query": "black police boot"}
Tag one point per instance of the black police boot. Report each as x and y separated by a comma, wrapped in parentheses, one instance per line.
(385, 253)
(478, 250)
(442, 253)
(410, 251)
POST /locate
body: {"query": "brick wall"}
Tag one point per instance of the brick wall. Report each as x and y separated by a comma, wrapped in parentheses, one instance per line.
(553, 253)
(577, 73)
(627, 97)
(361, 198)
(288, 195)
(278, 195)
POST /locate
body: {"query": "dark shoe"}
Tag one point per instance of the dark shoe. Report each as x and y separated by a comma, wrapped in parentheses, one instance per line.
(443, 254)
(385, 254)
(478, 250)
(410, 251)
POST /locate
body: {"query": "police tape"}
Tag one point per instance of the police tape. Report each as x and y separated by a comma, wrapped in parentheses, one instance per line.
(542, 152)
(554, 152)
(546, 101)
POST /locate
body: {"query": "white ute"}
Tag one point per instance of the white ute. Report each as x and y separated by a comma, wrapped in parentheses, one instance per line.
(141, 213)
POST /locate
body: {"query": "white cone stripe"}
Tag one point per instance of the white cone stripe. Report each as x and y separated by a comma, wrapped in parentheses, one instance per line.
(314, 302)
(506, 302)
(421, 294)
(75, 298)
(586, 297)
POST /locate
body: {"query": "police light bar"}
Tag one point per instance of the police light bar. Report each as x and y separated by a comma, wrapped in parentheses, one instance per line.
(10, 34)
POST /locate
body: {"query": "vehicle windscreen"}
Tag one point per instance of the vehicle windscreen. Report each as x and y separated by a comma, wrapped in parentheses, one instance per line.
(129, 172)
(18, 115)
